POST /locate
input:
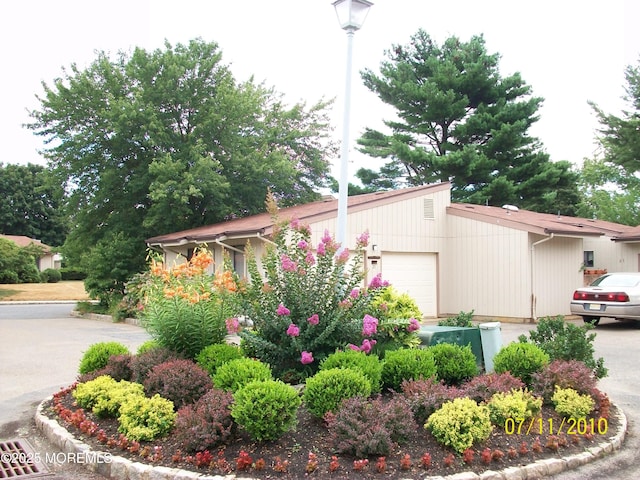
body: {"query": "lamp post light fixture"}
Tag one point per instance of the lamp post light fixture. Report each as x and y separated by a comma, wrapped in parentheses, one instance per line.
(351, 16)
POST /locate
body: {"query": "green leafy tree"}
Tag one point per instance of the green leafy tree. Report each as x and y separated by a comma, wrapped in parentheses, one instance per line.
(458, 120)
(154, 142)
(31, 204)
(610, 185)
(18, 265)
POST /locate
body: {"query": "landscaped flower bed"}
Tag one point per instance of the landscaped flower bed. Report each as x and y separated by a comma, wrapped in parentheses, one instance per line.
(328, 380)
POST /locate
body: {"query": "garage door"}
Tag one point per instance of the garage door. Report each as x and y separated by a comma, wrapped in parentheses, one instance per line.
(415, 274)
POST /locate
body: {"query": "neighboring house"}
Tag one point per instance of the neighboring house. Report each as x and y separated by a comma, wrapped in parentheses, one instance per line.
(503, 263)
(49, 259)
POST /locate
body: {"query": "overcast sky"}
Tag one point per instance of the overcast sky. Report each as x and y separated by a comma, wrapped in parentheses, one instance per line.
(568, 52)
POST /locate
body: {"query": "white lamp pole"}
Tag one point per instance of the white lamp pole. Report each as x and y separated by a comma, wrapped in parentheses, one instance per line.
(351, 15)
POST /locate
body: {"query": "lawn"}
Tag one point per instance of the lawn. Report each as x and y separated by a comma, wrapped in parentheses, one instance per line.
(65, 290)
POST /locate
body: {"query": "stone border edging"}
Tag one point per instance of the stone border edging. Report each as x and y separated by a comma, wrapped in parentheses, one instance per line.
(120, 468)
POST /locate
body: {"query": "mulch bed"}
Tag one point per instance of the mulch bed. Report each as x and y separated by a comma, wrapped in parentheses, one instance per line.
(289, 456)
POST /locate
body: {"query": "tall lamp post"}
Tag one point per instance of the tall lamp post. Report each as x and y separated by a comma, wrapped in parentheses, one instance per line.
(351, 15)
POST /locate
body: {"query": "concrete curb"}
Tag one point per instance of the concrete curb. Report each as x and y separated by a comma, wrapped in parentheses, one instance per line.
(112, 466)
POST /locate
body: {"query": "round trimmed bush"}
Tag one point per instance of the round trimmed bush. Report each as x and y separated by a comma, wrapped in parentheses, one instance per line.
(517, 404)
(235, 374)
(143, 418)
(97, 355)
(407, 364)
(460, 423)
(211, 357)
(146, 346)
(454, 363)
(266, 409)
(522, 360)
(181, 381)
(51, 275)
(325, 391)
(370, 365)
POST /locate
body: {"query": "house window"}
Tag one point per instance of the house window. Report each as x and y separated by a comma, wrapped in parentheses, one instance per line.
(238, 262)
(588, 258)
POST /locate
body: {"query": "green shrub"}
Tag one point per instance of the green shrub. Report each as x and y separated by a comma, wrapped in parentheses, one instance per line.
(266, 409)
(368, 364)
(328, 388)
(565, 341)
(460, 423)
(51, 275)
(407, 364)
(454, 363)
(398, 325)
(18, 264)
(97, 355)
(363, 427)
(211, 357)
(181, 381)
(143, 418)
(104, 395)
(88, 393)
(520, 359)
(517, 405)
(206, 423)
(69, 273)
(235, 374)
(146, 346)
(463, 319)
(572, 404)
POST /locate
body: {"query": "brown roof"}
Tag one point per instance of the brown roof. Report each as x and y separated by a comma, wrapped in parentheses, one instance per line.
(310, 212)
(23, 241)
(541, 223)
(632, 235)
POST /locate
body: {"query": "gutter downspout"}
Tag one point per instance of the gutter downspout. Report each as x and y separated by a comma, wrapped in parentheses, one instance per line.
(533, 293)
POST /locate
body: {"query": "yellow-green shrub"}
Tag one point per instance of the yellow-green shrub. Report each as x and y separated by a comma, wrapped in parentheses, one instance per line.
(460, 423)
(88, 393)
(572, 404)
(143, 418)
(518, 404)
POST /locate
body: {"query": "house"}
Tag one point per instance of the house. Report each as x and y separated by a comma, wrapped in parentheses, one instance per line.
(503, 263)
(49, 259)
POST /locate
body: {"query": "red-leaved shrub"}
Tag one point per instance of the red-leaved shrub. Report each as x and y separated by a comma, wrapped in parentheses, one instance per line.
(207, 423)
(482, 387)
(143, 363)
(181, 381)
(425, 396)
(364, 427)
(564, 374)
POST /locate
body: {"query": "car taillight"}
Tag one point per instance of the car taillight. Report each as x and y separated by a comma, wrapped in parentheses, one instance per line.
(601, 297)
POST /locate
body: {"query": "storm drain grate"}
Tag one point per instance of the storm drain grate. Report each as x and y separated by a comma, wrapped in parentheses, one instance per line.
(19, 460)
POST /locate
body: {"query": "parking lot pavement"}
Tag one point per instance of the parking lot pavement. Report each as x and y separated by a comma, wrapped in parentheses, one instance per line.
(42, 345)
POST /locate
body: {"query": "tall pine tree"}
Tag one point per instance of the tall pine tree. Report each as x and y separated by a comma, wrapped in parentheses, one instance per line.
(458, 120)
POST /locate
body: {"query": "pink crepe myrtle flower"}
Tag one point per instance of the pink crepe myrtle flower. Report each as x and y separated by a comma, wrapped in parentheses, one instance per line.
(377, 282)
(354, 347)
(355, 293)
(367, 345)
(233, 325)
(363, 239)
(322, 249)
(369, 325)
(344, 255)
(310, 259)
(326, 238)
(303, 245)
(282, 310)
(306, 358)
(295, 223)
(413, 325)
(287, 264)
(313, 319)
(293, 330)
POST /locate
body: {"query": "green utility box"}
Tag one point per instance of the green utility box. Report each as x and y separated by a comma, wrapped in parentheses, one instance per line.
(433, 335)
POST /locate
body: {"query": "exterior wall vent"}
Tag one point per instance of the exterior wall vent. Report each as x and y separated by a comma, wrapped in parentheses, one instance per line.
(428, 211)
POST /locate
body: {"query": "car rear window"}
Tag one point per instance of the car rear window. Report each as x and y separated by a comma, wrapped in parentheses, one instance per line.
(616, 281)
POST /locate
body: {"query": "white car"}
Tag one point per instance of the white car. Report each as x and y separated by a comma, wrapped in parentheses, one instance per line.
(614, 295)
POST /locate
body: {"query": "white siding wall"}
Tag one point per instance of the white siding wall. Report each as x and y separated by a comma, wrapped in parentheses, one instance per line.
(556, 274)
(485, 268)
(614, 256)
